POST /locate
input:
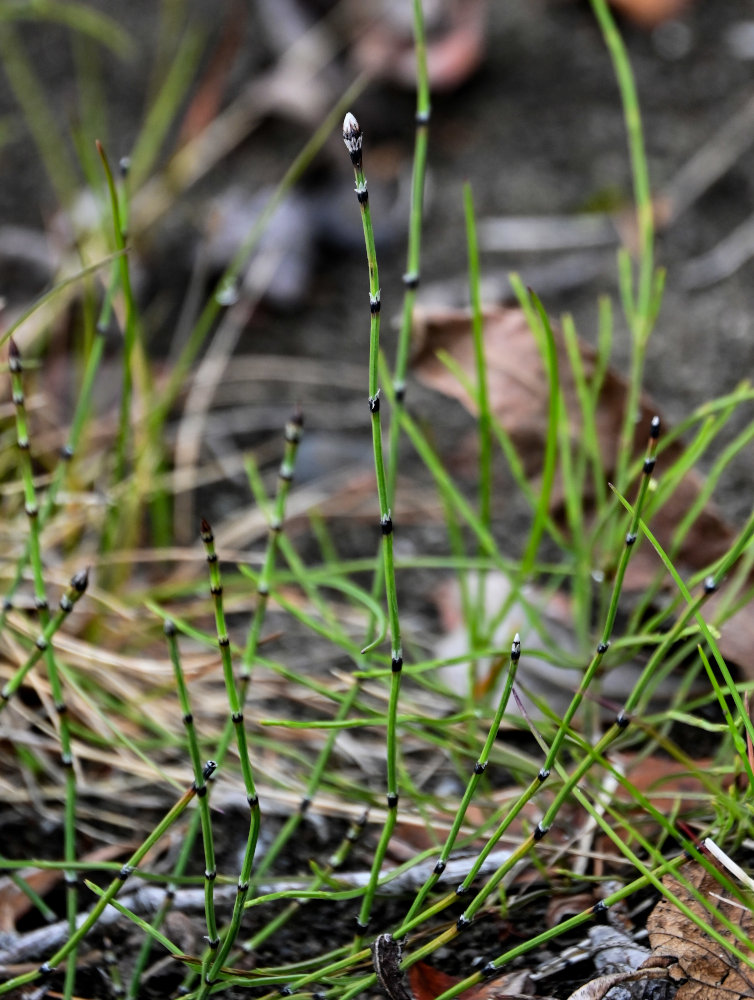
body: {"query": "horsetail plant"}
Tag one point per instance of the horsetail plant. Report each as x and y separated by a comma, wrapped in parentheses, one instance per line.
(352, 137)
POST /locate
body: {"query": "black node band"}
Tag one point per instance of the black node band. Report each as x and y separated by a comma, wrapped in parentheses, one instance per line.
(386, 525)
(544, 774)
(411, 280)
(374, 404)
(462, 922)
(622, 721)
(396, 664)
(439, 868)
(603, 647)
(237, 717)
(479, 767)
(362, 196)
(649, 464)
(540, 832)
(392, 800)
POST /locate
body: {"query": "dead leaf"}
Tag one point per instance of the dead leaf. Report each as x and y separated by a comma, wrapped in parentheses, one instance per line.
(456, 42)
(712, 973)
(598, 988)
(427, 982)
(518, 393)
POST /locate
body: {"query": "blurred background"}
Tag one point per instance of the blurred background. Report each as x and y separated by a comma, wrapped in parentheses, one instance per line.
(212, 104)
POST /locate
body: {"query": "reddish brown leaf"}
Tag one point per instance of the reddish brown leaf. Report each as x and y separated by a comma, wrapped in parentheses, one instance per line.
(206, 102)
(650, 13)
(427, 982)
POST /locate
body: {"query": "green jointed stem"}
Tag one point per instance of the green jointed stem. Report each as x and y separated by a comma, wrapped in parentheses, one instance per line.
(67, 601)
(413, 253)
(479, 768)
(67, 452)
(113, 889)
(210, 868)
(40, 598)
(641, 305)
(236, 714)
(293, 431)
(352, 138)
(603, 645)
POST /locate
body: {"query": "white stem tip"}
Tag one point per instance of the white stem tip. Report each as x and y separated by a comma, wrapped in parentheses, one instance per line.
(352, 135)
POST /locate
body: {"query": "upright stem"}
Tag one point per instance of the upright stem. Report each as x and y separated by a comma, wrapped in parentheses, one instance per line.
(236, 715)
(352, 137)
(56, 688)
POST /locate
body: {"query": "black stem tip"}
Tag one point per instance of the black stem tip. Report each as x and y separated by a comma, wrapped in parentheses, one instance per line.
(654, 427)
(80, 580)
(205, 527)
(13, 351)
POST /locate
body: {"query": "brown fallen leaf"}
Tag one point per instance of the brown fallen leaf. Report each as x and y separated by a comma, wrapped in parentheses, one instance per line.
(601, 986)
(519, 399)
(711, 972)
(427, 982)
(456, 42)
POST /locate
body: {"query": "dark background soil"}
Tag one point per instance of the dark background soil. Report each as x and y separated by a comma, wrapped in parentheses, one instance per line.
(537, 130)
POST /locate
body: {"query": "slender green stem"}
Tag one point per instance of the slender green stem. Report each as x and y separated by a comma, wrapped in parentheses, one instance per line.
(56, 689)
(67, 602)
(67, 454)
(293, 431)
(352, 138)
(413, 255)
(210, 868)
(479, 768)
(604, 643)
(642, 301)
(484, 418)
(221, 950)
